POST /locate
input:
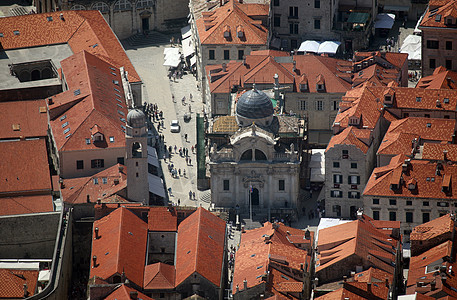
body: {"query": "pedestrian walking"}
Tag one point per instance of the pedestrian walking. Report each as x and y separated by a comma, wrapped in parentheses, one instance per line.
(190, 195)
(173, 98)
(190, 109)
(187, 151)
(184, 173)
(161, 124)
(169, 149)
(193, 194)
(192, 148)
(187, 161)
(174, 76)
(190, 162)
(169, 190)
(185, 136)
(183, 100)
(191, 98)
(179, 171)
(179, 202)
(176, 148)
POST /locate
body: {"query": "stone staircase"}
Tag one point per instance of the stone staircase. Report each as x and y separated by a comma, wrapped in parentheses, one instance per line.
(152, 38)
(205, 196)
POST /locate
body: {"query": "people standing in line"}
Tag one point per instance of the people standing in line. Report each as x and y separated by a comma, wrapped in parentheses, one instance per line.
(190, 195)
(193, 194)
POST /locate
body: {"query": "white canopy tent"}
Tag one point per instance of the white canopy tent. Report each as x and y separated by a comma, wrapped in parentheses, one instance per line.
(172, 57)
(329, 47)
(309, 46)
(412, 46)
(384, 21)
(188, 47)
(186, 32)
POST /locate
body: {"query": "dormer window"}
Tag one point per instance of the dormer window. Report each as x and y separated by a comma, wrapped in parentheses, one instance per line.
(353, 121)
(240, 31)
(320, 87)
(303, 87)
(226, 31)
(98, 137)
(388, 98)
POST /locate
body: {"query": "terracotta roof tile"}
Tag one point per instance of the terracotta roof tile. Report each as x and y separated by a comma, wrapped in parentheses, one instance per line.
(12, 283)
(30, 173)
(26, 205)
(123, 292)
(435, 16)
(357, 291)
(373, 275)
(432, 151)
(161, 219)
(211, 25)
(200, 247)
(349, 137)
(440, 79)
(23, 119)
(102, 185)
(433, 229)
(159, 276)
(121, 246)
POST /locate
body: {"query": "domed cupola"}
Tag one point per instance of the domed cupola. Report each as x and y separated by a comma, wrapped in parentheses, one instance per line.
(136, 118)
(254, 106)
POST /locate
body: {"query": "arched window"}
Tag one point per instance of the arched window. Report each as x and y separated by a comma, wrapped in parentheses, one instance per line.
(247, 155)
(36, 75)
(136, 150)
(78, 7)
(122, 5)
(46, 73)
(101, 6)
(24, 76)
(144, 3)
(259, 155)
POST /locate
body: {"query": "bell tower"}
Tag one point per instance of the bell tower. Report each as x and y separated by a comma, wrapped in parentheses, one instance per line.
(137, 157)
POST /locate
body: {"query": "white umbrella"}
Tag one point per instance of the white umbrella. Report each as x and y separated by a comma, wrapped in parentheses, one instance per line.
(329, 47)
(309, 46)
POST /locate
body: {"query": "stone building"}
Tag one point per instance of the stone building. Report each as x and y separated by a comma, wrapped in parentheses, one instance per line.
(254, 163)
(439, 44)
(128, 17)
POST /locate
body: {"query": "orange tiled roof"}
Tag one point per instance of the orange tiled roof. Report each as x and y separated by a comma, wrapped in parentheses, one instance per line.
(26, 205)
(162, 219)
(121, 246)
(73, 117)
(101, 186)
(200, 247)
(435, 16)
(82, 30)
(12, 283)
(358, 291)
(432, 151)
(159, 276)
(23, 119)
(373, 275)
(349, 137)
(211, 26)
(255, 257)
(123, 292)
(440, 79)
(25, 168)
(433, 228)
(357, 238)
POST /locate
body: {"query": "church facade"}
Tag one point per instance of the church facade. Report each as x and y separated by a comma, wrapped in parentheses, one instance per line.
(254, 162)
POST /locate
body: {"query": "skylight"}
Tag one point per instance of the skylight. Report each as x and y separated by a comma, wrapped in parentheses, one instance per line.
(16, 32)
(111, 139)
(66, 130)
(438, 18)
(49, 19)
(77, 92)
(1, 34)
(63, 117)
(64, 124)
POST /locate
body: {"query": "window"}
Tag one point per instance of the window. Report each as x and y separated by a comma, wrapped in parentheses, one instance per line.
(337, 178)
(162, 295)
(78, 7)
(97, 163)
(432, 63)
(226, 185)
(392, 202)
(448, 64)
(282, 184)
(144, 3)
(105, 180)
(376, 214)
(336, 164)
(302, 104)
(293, 28)
(425, 217)
(317, 24)
(337, 210)
(375, 201)
(275, 2)
(111, 139)
(353, 165)
(353, 179)
(87, 141)
(319, 105)
(277, 20)
(354, 195)
(409, 217)
(425, 203)
(335, 105)
(212, 55)
(79, 164)
(95, 180)
(426, 115)
(392, 216)
(226, 54)
(137, 175)
(409, 202)
(293, 12)
(433, 44)
(101, 6)
(120, 160)
(345, 152)
(336, 194)
(122, 5)
(448, 45)
(240, 54)
(317, 4)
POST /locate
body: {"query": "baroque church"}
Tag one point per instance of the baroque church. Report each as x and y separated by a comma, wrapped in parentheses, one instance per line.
(254, 157)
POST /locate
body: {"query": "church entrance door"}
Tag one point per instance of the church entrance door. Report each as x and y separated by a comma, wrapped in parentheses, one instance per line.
(255, 197)
(145, 24)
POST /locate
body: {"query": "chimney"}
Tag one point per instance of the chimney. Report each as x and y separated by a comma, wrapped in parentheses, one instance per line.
(224, 67)
(345, 278)
(94, 259)
(96, 233)
(245, 284)
(121, 169)
(360, 214)
(438, 103)
(50, 102)
(26, 293)
(307, 234)
(99, 201)
(445, 155)
(116, 181)
(237, 288)
(369, 286)
(133, 295)
(61, 17)
(88, 199)
(295, 66)
(387, 282)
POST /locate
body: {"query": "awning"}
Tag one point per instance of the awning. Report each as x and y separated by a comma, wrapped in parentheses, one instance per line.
(170, 52)
(193, 60)
(329, 47)
(156, 185)
(358, 17)
(309, 46)
(186, 32)
(44, 275)
(188, 47)
(384, 21)
(152, 156)
(412, 46)
(172, 62)
(396, 7)
(172, 57)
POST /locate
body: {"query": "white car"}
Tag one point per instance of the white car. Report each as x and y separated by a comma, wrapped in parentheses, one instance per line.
(174, 126)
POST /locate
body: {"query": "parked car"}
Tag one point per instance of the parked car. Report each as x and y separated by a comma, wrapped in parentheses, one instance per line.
(174, 126)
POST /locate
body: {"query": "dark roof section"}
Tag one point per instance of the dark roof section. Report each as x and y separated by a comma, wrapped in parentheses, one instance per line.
(254, 104)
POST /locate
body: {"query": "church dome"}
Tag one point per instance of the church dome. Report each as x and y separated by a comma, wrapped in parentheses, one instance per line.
(136, 118)
(254, 104)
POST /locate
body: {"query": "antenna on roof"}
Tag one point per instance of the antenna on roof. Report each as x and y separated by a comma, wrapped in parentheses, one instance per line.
(61, 17)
